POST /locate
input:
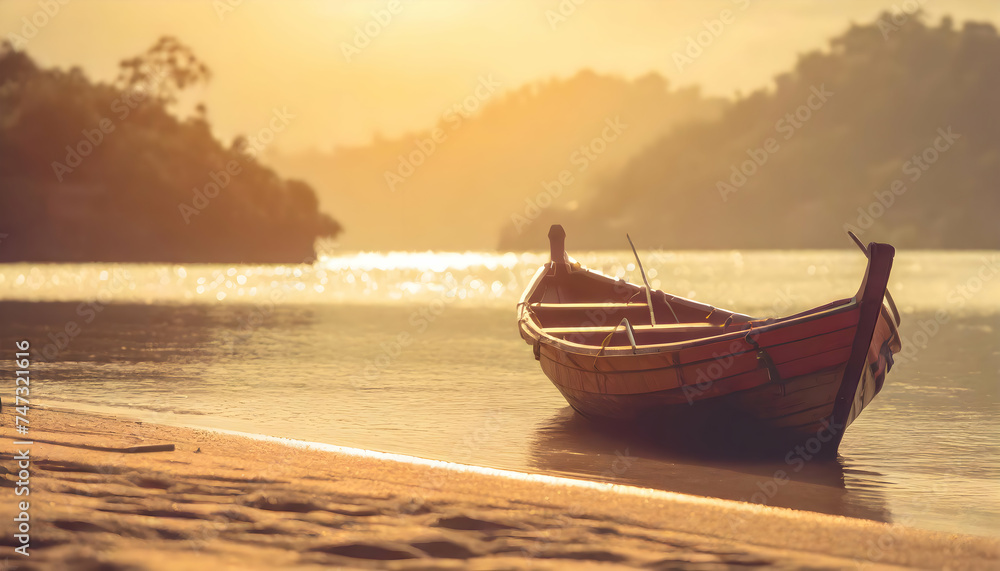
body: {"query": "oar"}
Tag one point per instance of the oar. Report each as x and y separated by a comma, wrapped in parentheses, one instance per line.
(649, 295)
(888, 296)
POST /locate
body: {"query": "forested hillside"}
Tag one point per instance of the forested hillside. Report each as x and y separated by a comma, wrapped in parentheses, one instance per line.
(894, 131)
(498, 153)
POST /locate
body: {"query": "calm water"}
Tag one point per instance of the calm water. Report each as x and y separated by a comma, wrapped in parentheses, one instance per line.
(419, 354)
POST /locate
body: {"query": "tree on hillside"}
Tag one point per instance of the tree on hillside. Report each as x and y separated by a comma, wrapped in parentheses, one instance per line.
(164, 70)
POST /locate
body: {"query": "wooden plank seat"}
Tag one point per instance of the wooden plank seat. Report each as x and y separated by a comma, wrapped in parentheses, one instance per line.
(644, 334)
(586, 306)
(589, 314)
(701, 328)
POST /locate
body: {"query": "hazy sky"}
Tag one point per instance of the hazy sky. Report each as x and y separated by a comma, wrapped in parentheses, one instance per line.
(433, 53)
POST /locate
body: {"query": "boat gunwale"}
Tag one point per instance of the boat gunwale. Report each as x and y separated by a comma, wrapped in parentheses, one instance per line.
(538, 334)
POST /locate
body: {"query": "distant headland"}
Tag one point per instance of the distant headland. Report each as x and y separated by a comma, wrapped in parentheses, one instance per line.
(93, 171)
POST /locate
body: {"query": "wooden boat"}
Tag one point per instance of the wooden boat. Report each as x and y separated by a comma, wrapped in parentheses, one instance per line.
(704, 376)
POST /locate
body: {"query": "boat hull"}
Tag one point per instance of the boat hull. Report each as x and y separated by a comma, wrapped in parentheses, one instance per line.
(767, 417)
(711, 377)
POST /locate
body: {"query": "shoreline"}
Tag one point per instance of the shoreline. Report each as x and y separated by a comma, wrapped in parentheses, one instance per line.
(682, 487)
(239, 500)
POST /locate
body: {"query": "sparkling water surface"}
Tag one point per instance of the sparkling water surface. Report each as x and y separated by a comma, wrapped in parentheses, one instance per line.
(418, 353)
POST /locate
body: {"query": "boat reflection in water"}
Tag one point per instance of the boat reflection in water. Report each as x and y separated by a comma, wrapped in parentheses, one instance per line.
(572, 446)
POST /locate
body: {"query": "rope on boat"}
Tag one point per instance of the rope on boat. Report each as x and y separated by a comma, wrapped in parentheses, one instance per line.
(764, 359)
(628, 331)
(888, 296)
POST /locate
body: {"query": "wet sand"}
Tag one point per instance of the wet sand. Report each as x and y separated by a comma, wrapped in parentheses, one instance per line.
(224, 501)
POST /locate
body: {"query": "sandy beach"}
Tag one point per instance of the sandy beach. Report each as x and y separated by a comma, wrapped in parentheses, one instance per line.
(220, 501)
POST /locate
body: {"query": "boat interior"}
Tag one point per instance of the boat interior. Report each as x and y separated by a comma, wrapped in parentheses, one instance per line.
(582, 306)
(570, 302)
